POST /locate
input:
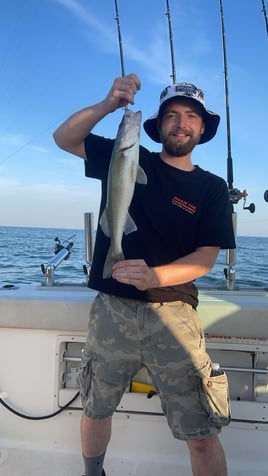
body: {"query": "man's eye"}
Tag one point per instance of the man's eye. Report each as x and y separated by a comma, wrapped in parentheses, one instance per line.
(170, 115)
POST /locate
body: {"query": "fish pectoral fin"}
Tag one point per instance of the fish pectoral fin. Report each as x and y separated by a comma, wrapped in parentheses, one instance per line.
(141, 176)
(104, 223)
(130, 225)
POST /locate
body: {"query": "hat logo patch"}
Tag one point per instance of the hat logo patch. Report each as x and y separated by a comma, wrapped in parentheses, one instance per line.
(183, 89)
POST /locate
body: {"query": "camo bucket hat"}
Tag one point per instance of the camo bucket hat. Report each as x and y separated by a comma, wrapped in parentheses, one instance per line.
(185, 91)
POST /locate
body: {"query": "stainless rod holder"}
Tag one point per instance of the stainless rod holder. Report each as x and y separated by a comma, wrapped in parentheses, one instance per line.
(49, 269)
(231, 259)
(89, 238)
(89, 241)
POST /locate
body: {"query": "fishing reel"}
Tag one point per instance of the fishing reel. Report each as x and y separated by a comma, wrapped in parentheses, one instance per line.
(61, 253)
(59, 247)
(235, 195)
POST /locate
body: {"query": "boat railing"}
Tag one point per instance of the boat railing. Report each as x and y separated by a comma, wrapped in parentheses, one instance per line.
(247, 382)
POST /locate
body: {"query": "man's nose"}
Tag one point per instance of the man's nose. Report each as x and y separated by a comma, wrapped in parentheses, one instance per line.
(180, 120)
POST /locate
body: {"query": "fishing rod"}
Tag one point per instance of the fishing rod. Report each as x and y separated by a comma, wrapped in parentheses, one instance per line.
(234, 194)
(230, 177)
(119, 38)
(265, 15)
(173, 75)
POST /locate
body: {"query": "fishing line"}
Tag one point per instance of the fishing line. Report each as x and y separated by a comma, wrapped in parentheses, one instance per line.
(33, 139)
(173, 75)
(27, 143)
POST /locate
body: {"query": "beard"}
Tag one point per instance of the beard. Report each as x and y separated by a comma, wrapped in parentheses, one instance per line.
(175, 149)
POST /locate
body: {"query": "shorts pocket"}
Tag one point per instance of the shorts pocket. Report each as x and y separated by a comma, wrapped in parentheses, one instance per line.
(215, 399)
(84, 376)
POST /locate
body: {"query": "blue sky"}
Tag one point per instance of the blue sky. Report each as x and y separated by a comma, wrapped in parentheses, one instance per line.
(58, 56)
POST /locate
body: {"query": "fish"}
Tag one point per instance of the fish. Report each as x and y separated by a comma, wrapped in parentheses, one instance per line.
(124, 172)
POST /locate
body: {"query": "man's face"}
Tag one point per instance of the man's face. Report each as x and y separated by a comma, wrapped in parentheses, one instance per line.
(180, 127)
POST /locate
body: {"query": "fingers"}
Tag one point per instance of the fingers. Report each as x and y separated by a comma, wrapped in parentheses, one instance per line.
(133, 272)
(129, 262)
(124, 89)
(134, 82)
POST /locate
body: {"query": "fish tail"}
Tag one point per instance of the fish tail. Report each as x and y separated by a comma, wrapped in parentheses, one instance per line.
(110, 261)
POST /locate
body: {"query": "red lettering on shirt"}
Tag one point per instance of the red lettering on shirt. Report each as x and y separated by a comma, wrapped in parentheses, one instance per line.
(188, 207)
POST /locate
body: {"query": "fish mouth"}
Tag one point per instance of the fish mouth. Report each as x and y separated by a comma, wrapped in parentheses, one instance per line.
(128, 147)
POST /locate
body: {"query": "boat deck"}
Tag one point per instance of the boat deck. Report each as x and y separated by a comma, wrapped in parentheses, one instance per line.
(42, 333)
(140, 446)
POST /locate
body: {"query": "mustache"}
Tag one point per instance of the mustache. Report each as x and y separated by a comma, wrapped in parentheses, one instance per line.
(181, 130)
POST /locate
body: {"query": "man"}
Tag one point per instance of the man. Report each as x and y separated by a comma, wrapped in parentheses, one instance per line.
(145, 314)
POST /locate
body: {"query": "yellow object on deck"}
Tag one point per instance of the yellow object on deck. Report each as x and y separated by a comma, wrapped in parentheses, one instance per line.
(140, 387)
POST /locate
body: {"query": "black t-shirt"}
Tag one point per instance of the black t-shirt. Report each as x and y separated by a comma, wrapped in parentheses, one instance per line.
(175, 213)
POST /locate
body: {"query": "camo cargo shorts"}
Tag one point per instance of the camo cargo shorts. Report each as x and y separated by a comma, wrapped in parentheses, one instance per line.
(167, 339)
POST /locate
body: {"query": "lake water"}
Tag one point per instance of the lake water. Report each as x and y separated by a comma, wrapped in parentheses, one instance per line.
(24, 249)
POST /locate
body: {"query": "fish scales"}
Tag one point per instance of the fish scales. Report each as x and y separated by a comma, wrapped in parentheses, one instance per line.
(124, 172)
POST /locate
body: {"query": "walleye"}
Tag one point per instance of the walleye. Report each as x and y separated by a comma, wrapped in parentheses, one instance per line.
(124, 172)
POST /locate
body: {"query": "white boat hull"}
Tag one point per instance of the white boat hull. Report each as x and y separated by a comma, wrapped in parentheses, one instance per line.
(41, 328)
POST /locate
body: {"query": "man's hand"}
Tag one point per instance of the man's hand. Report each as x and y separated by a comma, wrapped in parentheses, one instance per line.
(122, 92)
(136, 273)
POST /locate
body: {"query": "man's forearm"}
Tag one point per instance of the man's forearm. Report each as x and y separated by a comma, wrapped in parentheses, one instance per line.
(186, 269)
(72, 133)
(137, 273)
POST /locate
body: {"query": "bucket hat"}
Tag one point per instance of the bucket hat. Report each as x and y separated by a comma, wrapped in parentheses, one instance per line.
(195, 95)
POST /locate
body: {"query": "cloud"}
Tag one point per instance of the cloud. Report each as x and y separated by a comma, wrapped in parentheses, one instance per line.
(152, 58)
(85, 16)
(153, 55)
(8, 138)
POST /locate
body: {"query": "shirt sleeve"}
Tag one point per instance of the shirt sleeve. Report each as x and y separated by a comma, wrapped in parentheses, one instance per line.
(98, 152)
